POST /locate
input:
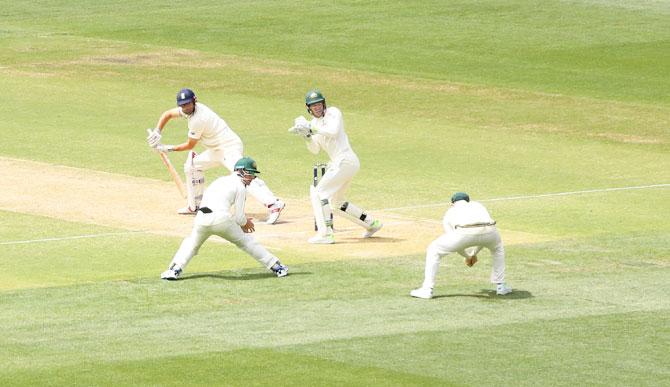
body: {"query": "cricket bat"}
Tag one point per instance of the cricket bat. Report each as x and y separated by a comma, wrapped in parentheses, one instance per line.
(173, 172)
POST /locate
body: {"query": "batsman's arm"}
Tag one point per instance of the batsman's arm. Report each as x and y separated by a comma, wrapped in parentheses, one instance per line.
(190, 144)
(166, 117)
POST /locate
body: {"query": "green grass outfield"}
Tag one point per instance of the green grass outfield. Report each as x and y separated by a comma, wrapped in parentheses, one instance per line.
(501, 99)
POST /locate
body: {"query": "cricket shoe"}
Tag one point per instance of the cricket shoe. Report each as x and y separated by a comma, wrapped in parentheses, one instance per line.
(171, 274)
(426, 293)
(374, 227)
(187, 211)
(280, 270)
(502, 289)
(319, 239)
(275, 211)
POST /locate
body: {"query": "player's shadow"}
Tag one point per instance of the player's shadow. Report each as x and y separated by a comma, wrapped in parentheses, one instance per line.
(239, 277)
(261, 218)
(488, 294)
(376, 239)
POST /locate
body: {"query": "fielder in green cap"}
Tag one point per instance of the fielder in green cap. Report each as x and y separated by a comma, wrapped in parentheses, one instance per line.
(468, 227)
(222, 213)
(460, 196)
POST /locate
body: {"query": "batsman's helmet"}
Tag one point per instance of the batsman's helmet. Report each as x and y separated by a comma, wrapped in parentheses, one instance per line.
(247, 164)
(185, 96)
(314, 96)
(460, 196)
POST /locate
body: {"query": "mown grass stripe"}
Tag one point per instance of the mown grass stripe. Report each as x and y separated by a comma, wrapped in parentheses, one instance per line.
(71, 237)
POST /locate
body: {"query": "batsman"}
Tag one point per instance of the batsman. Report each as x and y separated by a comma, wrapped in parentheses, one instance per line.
(224, 147)
(326, 132)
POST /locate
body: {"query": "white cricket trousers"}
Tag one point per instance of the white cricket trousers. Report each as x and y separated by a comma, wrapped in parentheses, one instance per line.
(335, 182)
(227, 156)
(460, 239)
(334, 185)
(206, 225)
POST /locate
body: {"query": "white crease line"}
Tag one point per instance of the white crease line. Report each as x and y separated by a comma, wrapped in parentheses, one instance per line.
(71, 237)
(531, 196)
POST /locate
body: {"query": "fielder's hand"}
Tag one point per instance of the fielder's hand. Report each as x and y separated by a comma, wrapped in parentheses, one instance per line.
(249, 227)
(471, 261)
(154, 137)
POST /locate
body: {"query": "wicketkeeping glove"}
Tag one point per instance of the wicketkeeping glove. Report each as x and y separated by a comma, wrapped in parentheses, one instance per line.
(301, 130)
(301, 127)
(301, 121)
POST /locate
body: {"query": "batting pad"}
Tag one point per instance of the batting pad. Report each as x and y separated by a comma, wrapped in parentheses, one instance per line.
(261, 192)
(195, 182)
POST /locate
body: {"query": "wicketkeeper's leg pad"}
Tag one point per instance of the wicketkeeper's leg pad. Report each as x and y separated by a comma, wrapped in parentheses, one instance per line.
(354, 213)
(322, 212)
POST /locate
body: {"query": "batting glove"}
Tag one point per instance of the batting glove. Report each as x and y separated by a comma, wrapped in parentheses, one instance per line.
(164, 148)
(154, 137)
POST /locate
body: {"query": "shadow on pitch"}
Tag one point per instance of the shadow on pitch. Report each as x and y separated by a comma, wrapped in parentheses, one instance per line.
(240, 277)
(375, 239)
(488, 294)
(260, 218)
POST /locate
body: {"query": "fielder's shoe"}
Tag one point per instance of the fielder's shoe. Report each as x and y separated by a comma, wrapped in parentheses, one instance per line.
(280, 270)
(171, 274)
(319, 239)
(502, 289)
(275, 211)
(422, 292)
(374, 227)
(187, 211)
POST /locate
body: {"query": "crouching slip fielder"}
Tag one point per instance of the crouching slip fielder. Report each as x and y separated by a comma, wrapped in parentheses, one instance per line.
(222, 214)
(224, 147)
(468, 228)
(326, 131)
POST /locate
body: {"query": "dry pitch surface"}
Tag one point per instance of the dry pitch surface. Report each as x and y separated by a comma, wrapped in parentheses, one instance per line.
(148, 205)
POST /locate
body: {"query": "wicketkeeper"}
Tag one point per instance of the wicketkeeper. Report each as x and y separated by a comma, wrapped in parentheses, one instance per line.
(468, 227)
(326, 132)
(224, 147)
(222, 214)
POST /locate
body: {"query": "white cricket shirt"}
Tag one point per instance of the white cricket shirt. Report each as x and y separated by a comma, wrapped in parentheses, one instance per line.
(227, 195)
(208, 128)
(330, 135)
(463, 213)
